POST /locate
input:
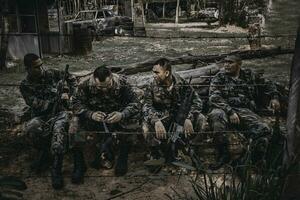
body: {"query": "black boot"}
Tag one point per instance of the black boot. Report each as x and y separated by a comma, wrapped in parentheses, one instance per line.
(79, 167)
(155, 162)
(56, 172)
(104, 155)
(121, 167)
(223, 154)
(42, 162)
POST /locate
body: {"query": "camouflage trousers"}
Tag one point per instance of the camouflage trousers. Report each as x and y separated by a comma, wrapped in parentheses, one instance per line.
(251, 126)
(38, 130)
(198, 121)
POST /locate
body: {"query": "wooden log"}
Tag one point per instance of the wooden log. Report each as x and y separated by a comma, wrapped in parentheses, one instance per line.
(198, 75)
(190, 59)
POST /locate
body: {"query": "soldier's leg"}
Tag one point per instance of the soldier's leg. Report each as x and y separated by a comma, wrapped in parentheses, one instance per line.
(78, 139)
(154, 147)
(199, 124)
(35, 129)
(257, 130)
(124, 146)
(58, 147)
(104, 155)
(218, 121)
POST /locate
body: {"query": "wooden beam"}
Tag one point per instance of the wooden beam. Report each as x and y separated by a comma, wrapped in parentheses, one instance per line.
(177, 12)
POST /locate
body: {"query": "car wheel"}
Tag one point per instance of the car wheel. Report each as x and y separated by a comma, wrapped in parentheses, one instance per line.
(119, 31)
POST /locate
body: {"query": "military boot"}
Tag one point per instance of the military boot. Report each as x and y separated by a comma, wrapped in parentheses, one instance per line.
(121, 167)
(42, 162)
(155, 161)
(79, 167)
(104, 155)
(56, 172)
(223, 156)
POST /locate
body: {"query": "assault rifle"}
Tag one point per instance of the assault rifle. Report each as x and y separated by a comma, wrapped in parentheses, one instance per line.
(177, 131)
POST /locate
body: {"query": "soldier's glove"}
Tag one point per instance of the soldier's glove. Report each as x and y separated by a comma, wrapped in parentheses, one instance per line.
(64, 96)
(160, 130)
(40, 104)
(274, 104)
(114, 117)
(188, 127)
(234, 119)
(98, 116)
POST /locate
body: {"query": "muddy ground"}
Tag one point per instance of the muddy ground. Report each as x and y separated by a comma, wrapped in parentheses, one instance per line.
(120, 51)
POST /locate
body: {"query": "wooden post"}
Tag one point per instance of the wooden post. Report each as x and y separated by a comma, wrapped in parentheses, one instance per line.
(36, 7)
(177, 12)
(4, 36)
(292, 148)
(164, 9)
(59, 27)
(132, 10)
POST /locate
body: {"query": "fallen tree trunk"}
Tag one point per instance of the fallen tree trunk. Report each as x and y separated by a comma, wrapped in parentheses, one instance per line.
(190, 59)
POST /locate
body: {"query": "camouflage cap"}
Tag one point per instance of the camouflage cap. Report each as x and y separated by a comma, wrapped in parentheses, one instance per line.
(233, 58)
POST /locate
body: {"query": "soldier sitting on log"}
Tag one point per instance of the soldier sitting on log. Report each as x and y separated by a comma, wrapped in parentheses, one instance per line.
(43, 92)
(105, 102)
(164, 98)
(233, 100)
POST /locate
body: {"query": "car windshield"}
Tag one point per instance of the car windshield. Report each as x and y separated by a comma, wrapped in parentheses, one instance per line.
(108, 13)
(86, 15)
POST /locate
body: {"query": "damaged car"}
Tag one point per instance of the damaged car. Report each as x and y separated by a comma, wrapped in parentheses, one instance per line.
(103, 22)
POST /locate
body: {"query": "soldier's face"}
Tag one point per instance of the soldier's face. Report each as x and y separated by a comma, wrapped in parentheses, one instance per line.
(35, 71)
(160, 74)
(231, 67)
(104, 85)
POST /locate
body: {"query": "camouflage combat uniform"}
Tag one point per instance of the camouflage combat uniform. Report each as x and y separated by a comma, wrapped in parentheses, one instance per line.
(89, 99)
(230, 95)
(41, 96)
(162, 103)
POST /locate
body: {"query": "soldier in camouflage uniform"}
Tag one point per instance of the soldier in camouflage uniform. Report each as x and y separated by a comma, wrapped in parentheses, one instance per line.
(39, 90)
(163, 98)
(232, 97)
(105, 99)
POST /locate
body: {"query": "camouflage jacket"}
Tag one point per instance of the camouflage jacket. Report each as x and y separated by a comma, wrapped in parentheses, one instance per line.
(227, 92)
(41, 95)
(161, 102)
(120, 97)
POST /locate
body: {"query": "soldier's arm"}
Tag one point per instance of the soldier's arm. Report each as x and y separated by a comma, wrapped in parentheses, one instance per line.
(196, 105)
(130, 100)
(150, 114)
(216, 97)
(79, 103)
(31, 99)
(267, 87)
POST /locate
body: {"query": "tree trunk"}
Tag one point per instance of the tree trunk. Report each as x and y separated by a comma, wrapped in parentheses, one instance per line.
(250, 54)
(198, 76)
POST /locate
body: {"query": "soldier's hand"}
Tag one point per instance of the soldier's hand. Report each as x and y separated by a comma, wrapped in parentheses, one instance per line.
(37, 103)
(188, 127)
(64, 96)
(114, 117)
(160, 130)
(274, 104)
(98, 116)
(234, 118)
